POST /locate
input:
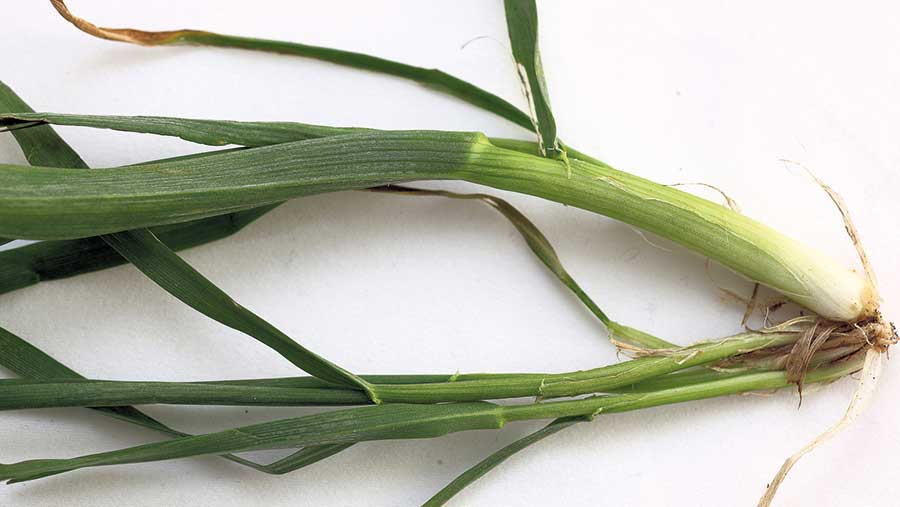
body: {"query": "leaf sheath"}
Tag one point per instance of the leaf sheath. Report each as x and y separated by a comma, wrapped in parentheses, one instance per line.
(20, 394)
(45, 203)
(399, 421)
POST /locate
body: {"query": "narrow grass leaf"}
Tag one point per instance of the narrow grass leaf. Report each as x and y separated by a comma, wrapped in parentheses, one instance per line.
(19, 394)
(302, 458)
(26, 360)
(208, 132)
(522, 24)
(431, 78)
(170, 272)
(330, 428)
(542, 249)
(53, 260)
(221, 132)
(39, 144)
(486, 465)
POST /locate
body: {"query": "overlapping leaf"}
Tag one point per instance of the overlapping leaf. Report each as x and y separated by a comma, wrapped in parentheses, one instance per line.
(26, 360)
(142, 248)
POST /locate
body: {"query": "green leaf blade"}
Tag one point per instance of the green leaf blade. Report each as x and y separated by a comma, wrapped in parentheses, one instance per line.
(432, 78)
(522, 23)
(54, 260)
(479, 470)
(146, 252)
(206, 132)
(331, 428)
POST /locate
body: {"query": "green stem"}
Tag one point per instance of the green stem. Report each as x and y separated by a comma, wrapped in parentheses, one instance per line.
(399, 421)
(581, 382)
(45, 203)
(722, 387)
(21, 394)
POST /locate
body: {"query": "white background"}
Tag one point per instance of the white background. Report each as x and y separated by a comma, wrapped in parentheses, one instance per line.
(704, 91)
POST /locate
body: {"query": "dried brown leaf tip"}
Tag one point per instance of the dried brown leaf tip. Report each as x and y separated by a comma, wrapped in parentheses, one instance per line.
(130, 35)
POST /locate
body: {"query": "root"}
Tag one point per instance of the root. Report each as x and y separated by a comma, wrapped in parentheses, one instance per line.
(733, 295)
(868, 379)
(751, 305)
(874, 336)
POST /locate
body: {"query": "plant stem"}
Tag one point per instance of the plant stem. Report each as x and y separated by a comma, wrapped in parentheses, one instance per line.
(45, 203)
(21, 394)
(722, 387)
(581, 382)
(400, 421)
